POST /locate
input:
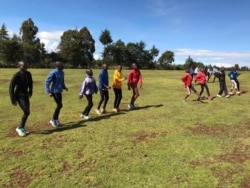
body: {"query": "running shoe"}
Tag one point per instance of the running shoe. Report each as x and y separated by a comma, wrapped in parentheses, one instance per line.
(21, 131)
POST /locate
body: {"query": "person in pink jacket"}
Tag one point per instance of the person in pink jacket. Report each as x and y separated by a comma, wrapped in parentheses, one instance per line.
(201, 79)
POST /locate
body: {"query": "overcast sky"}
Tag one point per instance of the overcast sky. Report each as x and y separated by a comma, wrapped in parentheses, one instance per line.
(211, 31)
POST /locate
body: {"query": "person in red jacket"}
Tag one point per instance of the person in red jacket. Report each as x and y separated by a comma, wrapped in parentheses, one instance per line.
(187, 80)
(134, 78)
(201, 78)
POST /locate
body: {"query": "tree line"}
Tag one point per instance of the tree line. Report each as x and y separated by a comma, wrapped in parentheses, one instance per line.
(76, 49)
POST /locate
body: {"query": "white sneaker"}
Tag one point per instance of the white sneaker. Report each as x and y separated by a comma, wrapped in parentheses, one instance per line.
(98, 112)
(115, 110)
(21, 131)
(238, 92)
(87, 117)
(53, 123)
(227, 96)
(218, 95)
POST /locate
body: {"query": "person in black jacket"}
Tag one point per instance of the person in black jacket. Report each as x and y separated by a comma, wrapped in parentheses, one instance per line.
(20, 90)
(222, 81)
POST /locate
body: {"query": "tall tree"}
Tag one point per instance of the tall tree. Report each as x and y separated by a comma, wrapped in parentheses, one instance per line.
(3, 38)
(77, 47)
(106, 39)
(31, 44)
(4, 33)
(12, 51)
(166, 59)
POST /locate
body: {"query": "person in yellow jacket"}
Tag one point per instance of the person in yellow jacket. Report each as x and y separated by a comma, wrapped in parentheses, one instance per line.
(117, 87)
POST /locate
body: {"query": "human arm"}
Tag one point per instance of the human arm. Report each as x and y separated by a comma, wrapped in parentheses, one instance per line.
(129, 79)
(48, 83)
(30, 84)
(12, 91)
(82, 89)
(140, 80)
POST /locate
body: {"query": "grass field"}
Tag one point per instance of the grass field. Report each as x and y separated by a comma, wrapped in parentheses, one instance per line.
(164, 143)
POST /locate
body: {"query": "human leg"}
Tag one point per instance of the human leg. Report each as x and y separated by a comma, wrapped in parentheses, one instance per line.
(101, 99)
(118, 98)
(58, 99)
(24, 104)
(188, 93)
(202, 89)
(106, 98)
(237, 84)
(221, 88)
(207, 89)
(89, 105)
(135, 94)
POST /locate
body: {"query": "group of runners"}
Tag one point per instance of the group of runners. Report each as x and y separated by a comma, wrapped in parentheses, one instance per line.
(201, 76)
(21, 89)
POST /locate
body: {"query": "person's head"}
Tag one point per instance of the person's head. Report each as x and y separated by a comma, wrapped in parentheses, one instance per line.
(22, 66)
(105, 67)
(202, 69)
(236, 66)
(59, 65)
(134, 66)
(222, 69)
(89, 72)
(119, 68)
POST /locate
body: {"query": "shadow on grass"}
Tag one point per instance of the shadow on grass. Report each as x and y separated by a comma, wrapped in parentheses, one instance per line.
(64, 127)
(149, 106)
(79, 124)
(106, 116)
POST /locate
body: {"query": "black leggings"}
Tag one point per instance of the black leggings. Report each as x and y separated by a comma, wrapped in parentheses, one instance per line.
(238, 84)
(223, 87)
(89, 106)
(104, 98)
(58, 99)
(24, 103)
(118, 97)
(202, 89)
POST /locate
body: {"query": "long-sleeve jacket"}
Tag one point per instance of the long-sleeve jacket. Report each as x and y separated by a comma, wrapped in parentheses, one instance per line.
(88, 86)
(55, 81)
(134, 77)
(103, 80)
(201, 78)
(20, 85)
(117, 80)
(233, 74)
(222, 76)
(187, 79)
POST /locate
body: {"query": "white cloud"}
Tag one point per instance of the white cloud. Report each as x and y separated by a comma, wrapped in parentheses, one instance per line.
(50, 39)
(208, 57)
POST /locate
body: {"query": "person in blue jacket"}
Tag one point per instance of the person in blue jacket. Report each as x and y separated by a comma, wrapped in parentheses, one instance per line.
(54, 86)
(233, 74)
(103, 88)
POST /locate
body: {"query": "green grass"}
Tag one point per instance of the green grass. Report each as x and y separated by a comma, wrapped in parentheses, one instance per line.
(165, 143)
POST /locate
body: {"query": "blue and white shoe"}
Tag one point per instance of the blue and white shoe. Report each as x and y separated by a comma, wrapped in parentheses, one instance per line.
(58, 123)
(53, 123)
(131, 106)
(21, 131)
